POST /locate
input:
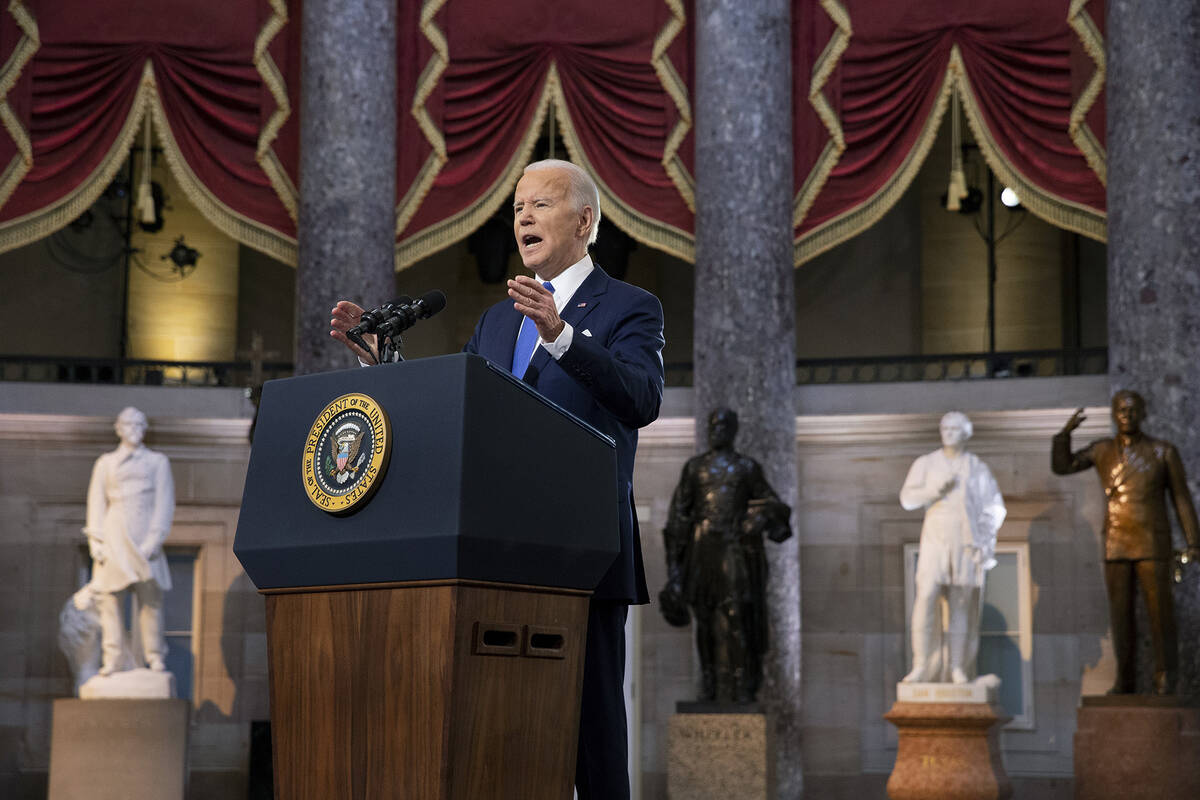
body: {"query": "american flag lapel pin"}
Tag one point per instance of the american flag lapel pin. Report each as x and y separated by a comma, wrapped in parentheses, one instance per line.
(582, 305)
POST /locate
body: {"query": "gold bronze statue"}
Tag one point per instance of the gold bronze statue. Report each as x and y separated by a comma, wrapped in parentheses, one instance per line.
(716, 563)
(1136, 472)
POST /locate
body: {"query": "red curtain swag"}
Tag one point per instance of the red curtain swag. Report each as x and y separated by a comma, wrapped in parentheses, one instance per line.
(476, 80)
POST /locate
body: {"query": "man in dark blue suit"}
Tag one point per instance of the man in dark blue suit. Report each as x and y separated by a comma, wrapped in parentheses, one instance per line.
(593, 345)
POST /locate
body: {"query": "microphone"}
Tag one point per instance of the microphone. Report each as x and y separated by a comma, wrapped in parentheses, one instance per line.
(405, 316)
(371, 320)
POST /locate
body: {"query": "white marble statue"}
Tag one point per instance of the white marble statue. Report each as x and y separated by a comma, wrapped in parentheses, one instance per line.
(963, 511)
(130, 505)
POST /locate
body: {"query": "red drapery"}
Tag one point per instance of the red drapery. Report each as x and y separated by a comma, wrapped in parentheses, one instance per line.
(476, 80)
(94, 73)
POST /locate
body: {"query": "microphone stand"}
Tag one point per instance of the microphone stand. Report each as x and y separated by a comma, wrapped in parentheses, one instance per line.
(389, 349)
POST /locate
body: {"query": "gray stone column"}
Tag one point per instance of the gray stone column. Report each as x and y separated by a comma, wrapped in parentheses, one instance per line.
(1154, 241)
(744, 314)
(347, 169)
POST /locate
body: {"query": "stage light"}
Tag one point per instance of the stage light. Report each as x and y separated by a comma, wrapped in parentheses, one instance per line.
(1009, 198)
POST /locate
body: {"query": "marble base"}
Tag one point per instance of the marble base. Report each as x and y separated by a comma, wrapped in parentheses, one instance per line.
(141, 683)
(720, 756)
(118, 749)
(947, 751)
(1137, 748)
(981, 690)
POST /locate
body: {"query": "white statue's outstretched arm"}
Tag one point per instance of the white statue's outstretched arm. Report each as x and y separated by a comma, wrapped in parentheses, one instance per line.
(97, 507)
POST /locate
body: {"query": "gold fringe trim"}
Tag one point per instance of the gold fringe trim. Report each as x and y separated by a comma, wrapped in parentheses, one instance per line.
(1056, 210)
(853, 222)
(453, 229)
(28, 44)
(658, 235)
(230, 222)
(677, 90)
(426, 83)
(281, 182)
(41, 223)
(1081, 134)
(822, 70)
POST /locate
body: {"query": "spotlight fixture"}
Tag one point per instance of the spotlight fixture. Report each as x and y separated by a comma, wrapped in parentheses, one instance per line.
(1009, 198)
(182, 257)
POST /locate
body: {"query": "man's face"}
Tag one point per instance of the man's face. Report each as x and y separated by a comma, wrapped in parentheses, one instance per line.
(1127, 414)
(953, 432)
(551, 235)
(131, 431)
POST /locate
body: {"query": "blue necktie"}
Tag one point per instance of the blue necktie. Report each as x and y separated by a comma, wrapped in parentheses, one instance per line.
(526, 341)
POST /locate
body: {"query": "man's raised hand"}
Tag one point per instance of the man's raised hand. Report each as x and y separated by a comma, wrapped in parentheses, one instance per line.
(344, 316)
(536, 302)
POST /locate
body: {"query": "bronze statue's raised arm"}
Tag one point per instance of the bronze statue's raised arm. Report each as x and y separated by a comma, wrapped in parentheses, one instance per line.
(1062, 460)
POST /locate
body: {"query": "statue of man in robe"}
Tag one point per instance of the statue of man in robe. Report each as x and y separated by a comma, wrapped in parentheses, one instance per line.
(716, 562)
(130, 506)
(963, 511)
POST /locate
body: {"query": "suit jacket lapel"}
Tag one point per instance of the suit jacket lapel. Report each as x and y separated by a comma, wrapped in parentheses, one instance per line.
(506, 336)
(586, 298)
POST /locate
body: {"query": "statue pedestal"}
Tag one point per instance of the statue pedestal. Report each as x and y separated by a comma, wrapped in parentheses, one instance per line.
(717, 752)
(1137, 746)
(118, 749)
(949, 745)
(141, 684)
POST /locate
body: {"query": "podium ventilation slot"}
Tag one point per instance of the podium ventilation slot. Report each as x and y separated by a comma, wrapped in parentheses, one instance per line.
(497, 639)
(545, 642)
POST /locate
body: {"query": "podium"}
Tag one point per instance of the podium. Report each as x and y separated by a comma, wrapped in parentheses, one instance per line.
(428, 641)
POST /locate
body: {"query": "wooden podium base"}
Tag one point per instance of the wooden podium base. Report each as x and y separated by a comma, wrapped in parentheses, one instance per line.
(433, 690)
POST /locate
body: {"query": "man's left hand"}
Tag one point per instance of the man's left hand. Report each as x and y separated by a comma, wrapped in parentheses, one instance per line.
(535, 301)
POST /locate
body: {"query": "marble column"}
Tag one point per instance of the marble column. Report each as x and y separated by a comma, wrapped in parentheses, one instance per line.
(1154, 241)
(744, 336)
(347, 169)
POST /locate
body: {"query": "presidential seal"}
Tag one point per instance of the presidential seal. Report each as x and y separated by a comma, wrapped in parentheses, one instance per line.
(346, 453)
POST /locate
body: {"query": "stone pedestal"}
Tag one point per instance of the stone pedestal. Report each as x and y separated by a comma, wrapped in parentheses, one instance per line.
(118, 749)
(142, 684)
(949, 744)
(717, 756)
(1137, 747)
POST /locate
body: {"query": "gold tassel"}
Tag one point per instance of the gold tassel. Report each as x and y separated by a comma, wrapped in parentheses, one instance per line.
(957, 190)
(145, 196)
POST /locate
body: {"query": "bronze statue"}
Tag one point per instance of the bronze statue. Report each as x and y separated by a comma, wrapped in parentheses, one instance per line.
(716, 562)
(1136, 472)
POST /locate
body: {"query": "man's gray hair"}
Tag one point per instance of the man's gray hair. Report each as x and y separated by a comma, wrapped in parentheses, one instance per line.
(960, 419)
(583, 191)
